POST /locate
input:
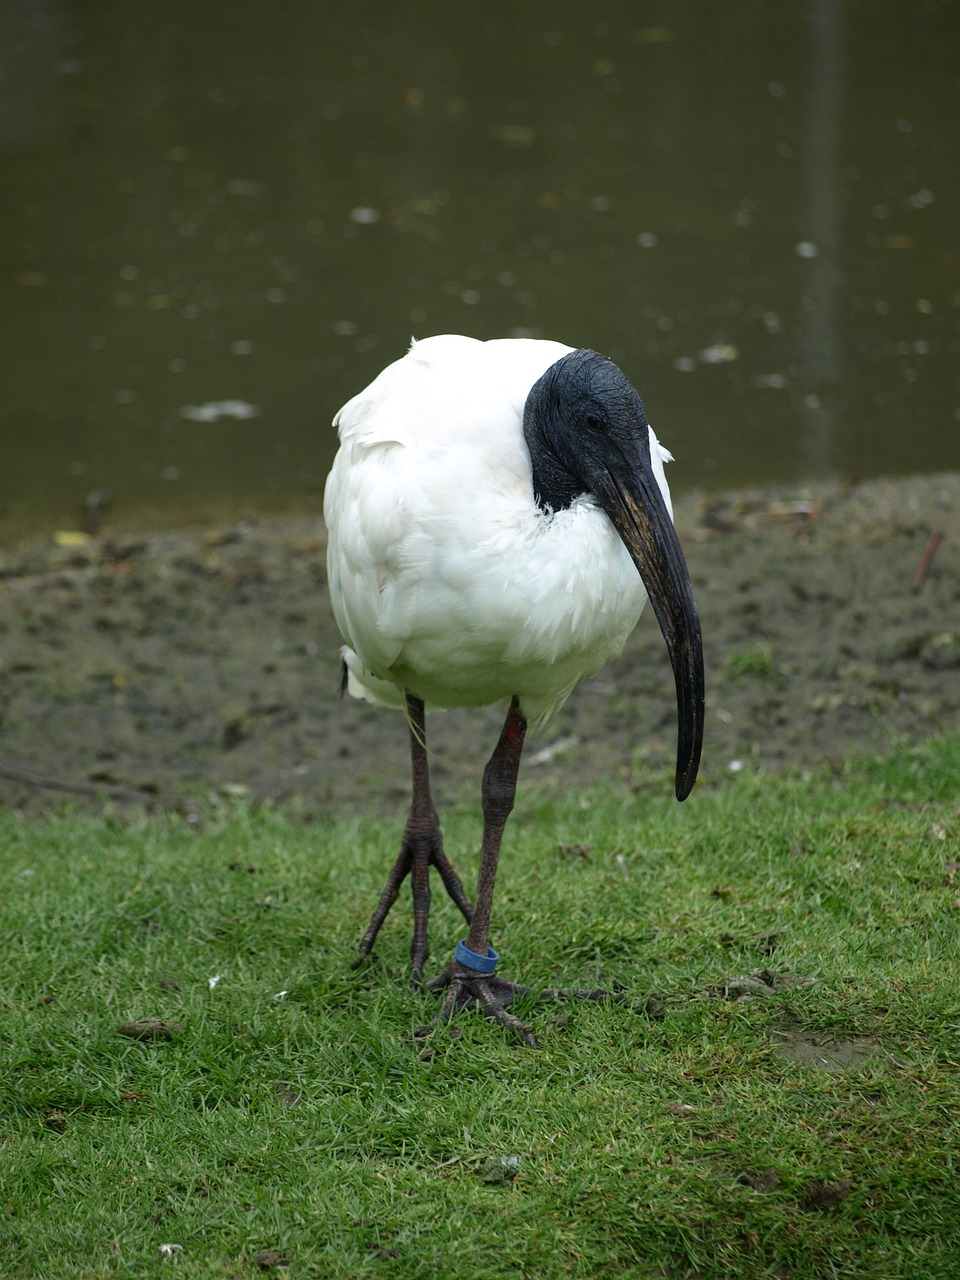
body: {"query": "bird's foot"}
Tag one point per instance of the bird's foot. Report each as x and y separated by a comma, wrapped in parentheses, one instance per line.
(466, 989)
(417, 855)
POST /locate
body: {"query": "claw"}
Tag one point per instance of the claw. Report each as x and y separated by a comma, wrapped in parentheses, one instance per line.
(467, 990)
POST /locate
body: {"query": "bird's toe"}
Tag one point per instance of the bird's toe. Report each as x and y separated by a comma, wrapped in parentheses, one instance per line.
(491, 995)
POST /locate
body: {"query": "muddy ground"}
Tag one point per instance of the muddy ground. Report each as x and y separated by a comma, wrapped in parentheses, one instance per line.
(179, 669)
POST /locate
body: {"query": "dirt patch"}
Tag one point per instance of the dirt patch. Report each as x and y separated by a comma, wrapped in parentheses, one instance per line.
(824, 1052)
(175, 667)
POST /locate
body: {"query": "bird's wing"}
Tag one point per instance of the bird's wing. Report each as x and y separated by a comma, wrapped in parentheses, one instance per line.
(367, 521)
(377, 499)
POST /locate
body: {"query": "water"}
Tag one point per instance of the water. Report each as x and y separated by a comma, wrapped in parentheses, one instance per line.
(220, 220)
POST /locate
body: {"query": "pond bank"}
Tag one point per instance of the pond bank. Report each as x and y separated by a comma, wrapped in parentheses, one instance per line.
(178, 668)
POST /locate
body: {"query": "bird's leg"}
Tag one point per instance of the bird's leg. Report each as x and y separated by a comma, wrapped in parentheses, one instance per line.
(420, 848)
(466, 986)
(497, 797)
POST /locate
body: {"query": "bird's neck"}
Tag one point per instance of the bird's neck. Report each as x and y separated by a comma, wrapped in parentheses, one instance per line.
(555, 487)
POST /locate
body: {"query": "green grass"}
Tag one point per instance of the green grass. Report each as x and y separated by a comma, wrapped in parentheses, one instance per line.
(757, 660)
(809, 1132)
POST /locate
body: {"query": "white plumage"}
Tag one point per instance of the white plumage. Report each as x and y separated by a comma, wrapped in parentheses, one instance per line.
(446, 577)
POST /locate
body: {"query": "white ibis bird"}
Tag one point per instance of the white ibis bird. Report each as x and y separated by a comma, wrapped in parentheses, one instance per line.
(497, 515)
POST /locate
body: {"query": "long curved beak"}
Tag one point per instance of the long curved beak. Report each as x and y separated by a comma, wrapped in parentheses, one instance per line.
(632, 499)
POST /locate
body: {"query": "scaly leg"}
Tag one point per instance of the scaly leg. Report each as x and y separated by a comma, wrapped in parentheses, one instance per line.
(466, 987)
(420, 849)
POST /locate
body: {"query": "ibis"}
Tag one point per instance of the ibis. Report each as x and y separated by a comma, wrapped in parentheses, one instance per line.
(497, 517)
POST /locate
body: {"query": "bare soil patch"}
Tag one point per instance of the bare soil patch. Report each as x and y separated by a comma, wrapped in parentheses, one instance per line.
(177, 668)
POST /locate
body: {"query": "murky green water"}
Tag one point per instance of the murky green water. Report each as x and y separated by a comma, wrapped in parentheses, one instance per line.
(218, 221)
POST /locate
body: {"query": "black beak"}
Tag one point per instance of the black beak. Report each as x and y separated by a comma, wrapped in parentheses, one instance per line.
(632, 499)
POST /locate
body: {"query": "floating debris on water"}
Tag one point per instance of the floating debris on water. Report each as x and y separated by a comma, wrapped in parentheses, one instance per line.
(213, 410)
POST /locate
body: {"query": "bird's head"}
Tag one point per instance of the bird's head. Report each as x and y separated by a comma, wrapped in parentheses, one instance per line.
(587, 432)
(580, 417)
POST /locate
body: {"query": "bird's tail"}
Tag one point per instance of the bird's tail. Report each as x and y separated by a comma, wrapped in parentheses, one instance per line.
(363, 684)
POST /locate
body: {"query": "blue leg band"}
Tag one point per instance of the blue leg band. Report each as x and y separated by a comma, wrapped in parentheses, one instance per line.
(470, 960)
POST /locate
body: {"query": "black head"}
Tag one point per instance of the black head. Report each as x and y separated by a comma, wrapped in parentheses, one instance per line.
(581, 414)
(587, 432)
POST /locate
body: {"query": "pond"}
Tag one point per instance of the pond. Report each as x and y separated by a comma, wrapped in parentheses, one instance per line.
(221, 220)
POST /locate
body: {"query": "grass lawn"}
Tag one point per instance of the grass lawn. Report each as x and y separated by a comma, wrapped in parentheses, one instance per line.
(778, 1096)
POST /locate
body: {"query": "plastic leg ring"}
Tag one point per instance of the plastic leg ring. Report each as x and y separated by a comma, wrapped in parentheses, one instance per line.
(470, 960)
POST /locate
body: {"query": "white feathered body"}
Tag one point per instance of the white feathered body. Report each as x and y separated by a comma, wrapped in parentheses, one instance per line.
(446, 577)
